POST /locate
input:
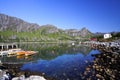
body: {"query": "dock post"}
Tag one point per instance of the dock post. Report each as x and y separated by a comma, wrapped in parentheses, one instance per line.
(12, 46)
(2, 47)
(7, 47)
(16, 46)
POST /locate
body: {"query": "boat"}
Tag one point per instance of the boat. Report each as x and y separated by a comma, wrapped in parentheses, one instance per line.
(20, 53)
(13, 51)
(28, 53)
(3, 53)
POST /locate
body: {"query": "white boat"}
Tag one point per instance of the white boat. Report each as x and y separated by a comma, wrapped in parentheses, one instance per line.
(13, 51)
(4, 53)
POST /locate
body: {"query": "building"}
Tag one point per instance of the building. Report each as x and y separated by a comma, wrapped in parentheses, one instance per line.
(106, 36)
(93, 39)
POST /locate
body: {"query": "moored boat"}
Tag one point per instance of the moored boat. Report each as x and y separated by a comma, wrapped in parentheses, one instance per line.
(13, 51)
(21, 53)
(3, 53)
(28, 53)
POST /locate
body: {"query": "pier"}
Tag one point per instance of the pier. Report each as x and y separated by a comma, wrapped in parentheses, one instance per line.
(6, 46)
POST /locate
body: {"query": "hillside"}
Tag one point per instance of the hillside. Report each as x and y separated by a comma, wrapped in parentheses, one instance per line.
(82, 33)
(15, 29)
(15, 24)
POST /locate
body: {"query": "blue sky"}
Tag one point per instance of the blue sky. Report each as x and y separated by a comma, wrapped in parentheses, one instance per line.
(95, 15)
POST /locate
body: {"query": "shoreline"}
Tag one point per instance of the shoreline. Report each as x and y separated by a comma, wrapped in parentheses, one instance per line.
(41, 42)
(106, 64)
(14, 71)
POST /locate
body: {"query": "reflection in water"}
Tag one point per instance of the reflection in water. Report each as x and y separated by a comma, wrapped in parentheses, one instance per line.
(46, 51)
(64, 67)
(62, 61)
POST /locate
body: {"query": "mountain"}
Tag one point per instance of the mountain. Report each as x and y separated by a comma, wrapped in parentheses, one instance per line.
(49, 29)
(15, 28)
(82, 33)
(85, 32)
(16, 24)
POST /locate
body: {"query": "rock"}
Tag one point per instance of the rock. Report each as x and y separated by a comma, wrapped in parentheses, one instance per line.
(32, 77)
(86, 61)
(35, 78)
(22, 77)
(15, 78)
(2, 67)
(98, 75)
(87, 69)
(4, 75)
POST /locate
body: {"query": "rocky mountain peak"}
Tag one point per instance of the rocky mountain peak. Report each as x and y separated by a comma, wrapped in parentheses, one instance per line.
(84, 29)
(85, 32)
(16, 24)
(82, 33)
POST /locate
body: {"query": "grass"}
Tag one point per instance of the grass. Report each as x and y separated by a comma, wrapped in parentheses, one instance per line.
(33, 36)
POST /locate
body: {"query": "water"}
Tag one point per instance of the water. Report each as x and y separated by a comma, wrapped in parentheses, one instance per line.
(46, 52)
(66, 66)
(61, 61)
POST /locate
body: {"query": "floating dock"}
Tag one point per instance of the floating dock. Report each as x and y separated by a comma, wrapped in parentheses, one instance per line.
(6, 46)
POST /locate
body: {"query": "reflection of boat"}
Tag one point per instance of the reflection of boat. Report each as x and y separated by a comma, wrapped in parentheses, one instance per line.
(28, 58)
(3, 53)
(24, 57)
(11, 55)
(19, 56)
(13, 51)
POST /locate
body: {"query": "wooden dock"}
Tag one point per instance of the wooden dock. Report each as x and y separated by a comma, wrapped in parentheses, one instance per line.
(6, 46)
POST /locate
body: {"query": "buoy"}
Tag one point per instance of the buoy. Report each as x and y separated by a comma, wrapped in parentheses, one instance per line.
(73, 43)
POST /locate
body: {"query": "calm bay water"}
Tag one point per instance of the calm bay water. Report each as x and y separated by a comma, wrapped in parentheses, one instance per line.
(61, 61)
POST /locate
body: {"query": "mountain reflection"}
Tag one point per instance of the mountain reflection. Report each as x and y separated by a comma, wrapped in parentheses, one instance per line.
(64, 67)
(47, 51)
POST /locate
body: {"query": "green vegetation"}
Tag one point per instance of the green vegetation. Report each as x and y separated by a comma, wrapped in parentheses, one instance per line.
(43, 34)
(39, 35)
(36, 36)
(115, 35)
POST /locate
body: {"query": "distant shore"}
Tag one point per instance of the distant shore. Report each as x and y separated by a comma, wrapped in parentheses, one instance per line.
(40, 42)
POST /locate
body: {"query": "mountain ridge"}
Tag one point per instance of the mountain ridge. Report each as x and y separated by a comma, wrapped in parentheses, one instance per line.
(16, 24)
(13, 24)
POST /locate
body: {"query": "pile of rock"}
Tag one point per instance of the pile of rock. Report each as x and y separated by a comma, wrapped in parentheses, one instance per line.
(32, 77)
(5, 75)
(107, 66)
(13, 72)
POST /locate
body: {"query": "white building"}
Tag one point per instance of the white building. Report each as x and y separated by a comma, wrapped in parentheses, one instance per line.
(106, 36)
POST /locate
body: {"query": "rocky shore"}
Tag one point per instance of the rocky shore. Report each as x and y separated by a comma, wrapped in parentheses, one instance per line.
(13, 72)
(105, 65)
